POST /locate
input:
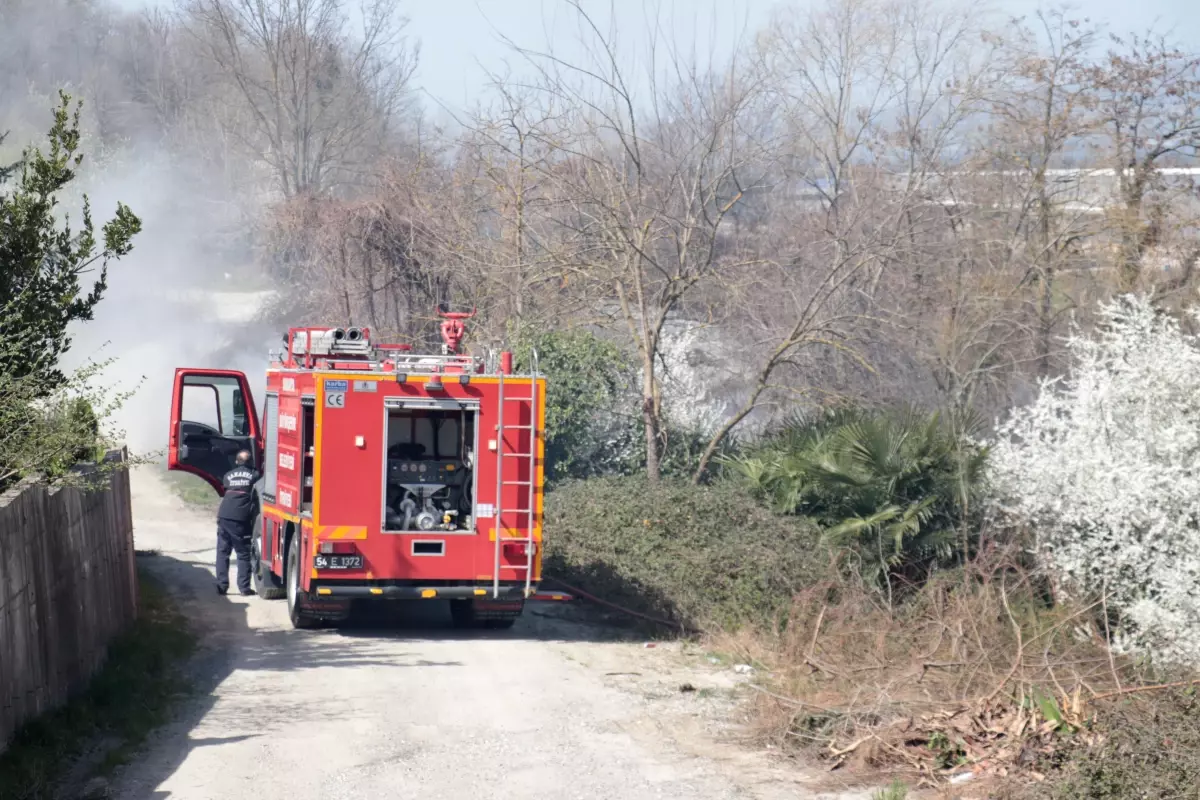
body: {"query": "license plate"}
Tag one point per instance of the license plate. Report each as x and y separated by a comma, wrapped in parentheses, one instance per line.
(325, 561)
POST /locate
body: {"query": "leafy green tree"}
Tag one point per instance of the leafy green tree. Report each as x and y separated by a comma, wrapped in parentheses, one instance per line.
(50, 421)
(43, 261)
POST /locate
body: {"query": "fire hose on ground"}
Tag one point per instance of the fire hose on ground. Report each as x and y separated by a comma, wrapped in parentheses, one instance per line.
(574, 590)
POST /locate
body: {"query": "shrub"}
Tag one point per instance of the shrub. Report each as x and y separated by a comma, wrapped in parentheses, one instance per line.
(76, 425)
(587, 379)
(974, 667)
(44, 436)
(698, 555)
(682, 446)
(1140, 747)
(1102, 467)
(893, 487)
(896, 790)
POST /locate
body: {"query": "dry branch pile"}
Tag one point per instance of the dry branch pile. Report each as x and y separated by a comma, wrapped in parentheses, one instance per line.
(975, 672)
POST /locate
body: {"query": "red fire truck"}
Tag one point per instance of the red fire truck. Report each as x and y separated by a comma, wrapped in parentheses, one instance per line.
(386, 474)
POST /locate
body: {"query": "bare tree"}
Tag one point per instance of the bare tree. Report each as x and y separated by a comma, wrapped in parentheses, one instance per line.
(645, 184)
(510, 237)
(374, 260)
(873, 96)
(322, 101)
(1148, 104)
(990, 283)
(1040, 118)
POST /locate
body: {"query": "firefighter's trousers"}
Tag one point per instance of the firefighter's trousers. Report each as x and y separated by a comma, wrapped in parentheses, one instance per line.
(233, 535)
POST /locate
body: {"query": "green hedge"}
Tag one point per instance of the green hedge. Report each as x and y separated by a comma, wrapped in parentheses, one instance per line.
(698, 555)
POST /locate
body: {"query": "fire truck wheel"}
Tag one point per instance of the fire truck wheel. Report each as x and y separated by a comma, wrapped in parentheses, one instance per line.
(462, 612)
(266, 585)
(294, 593)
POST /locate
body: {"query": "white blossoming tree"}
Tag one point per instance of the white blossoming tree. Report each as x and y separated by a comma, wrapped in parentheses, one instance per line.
(1105, 470)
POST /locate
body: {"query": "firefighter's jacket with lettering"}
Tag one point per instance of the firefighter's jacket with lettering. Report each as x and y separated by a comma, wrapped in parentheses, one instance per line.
(240, 502)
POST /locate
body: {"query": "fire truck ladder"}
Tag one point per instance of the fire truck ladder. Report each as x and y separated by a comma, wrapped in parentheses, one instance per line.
(528, 539)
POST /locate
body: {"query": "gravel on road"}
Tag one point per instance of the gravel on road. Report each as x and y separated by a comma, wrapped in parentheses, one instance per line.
(412, 709)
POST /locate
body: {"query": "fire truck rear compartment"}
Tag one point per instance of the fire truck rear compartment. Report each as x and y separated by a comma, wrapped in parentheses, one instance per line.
(428, 469)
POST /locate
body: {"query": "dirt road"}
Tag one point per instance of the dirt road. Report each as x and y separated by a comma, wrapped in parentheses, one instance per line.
(550, 709)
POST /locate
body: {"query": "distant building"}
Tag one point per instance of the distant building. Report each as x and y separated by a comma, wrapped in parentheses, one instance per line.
(1078, 191)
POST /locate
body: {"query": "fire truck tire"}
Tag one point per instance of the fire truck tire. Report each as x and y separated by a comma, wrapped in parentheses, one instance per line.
(266, 585)
(462, 612)
(294, 593)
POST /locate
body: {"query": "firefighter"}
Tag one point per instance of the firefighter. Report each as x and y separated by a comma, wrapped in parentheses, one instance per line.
(235, 523)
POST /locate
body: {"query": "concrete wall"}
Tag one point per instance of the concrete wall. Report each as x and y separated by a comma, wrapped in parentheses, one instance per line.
(68, 584)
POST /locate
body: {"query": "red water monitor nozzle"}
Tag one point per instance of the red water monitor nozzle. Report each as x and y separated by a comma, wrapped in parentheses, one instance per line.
(453, 328)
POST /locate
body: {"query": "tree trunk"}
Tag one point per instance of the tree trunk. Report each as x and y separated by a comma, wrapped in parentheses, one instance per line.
(1047, 256)
(1046, 321)
(653, 467)
(650, 417)
(1134, 234)
(724, 431)
(345, 285)
(1130, 268)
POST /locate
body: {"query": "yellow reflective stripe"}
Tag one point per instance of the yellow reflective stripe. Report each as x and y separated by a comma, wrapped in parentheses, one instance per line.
(342, 532)
(271, 512)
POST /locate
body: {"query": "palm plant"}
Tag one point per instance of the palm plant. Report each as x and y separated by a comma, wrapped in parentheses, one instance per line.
(893, 488)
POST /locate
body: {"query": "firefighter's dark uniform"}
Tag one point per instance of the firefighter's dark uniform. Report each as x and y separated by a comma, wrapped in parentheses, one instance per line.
(235, 520)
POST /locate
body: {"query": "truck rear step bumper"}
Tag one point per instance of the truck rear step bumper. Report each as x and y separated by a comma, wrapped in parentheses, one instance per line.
(421, 593)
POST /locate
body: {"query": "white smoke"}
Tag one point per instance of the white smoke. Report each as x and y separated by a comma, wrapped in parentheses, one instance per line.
(175, 301)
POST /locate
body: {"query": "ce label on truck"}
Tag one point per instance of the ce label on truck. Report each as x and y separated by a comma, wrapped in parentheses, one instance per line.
(335, 394)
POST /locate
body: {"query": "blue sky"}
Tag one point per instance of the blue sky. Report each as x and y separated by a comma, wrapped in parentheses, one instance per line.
(457, 36)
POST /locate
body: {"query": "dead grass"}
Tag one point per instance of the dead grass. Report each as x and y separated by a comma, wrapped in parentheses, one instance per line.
(191, 489)
(975, 671)
(136, 691)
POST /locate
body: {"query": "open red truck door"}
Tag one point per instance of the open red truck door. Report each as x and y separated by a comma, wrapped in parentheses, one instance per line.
(212, 418)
